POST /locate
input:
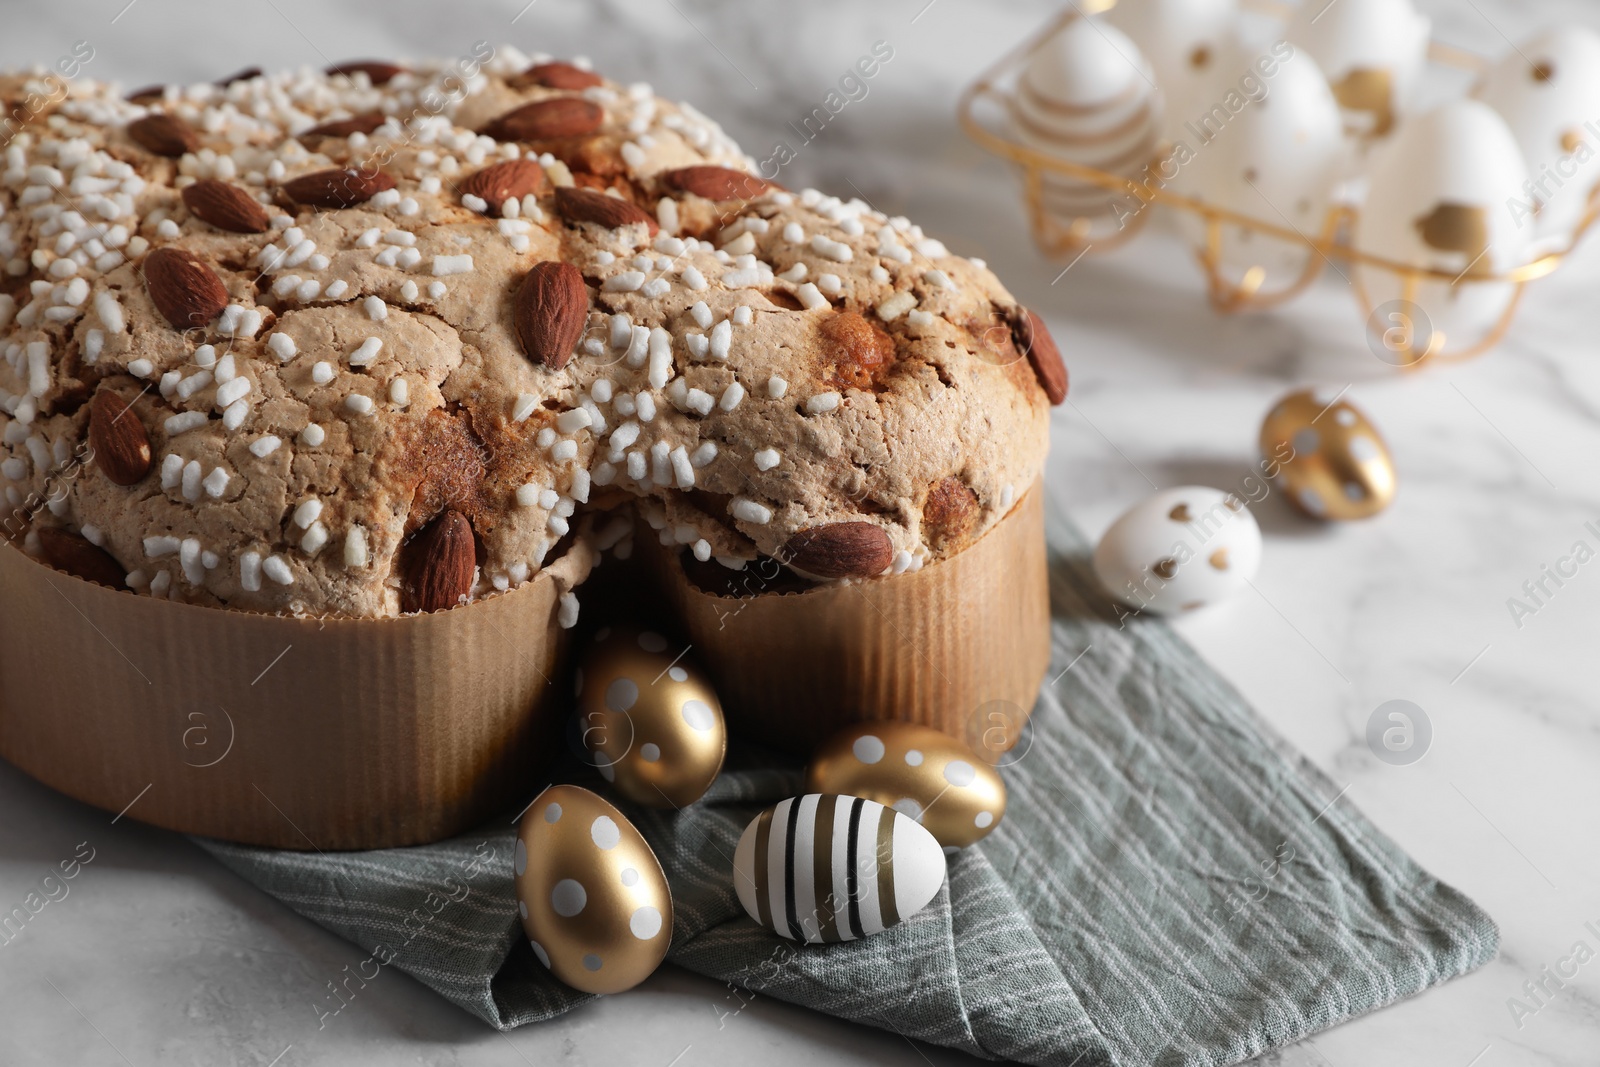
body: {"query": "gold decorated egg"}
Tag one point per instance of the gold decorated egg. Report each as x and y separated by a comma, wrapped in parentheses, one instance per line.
(594, 903)
(649, 718)
(1327, 456)
(923, 774)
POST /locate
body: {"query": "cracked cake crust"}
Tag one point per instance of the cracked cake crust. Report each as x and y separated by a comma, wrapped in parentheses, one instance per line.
(749, 371)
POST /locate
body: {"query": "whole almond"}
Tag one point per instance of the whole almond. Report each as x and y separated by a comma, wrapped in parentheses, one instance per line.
(550, 310)
(543, 120)
(717, 183)
(121, 445)
(440, 561)
(364, 123)
(225, 206)
(186, 291)
(164, 135)
(586, 205)
(557, 75)
(1033, 340)
(338, 187)
(146, 94)
(839, 550)
(79, 556)
(511, 180)
(377, 71)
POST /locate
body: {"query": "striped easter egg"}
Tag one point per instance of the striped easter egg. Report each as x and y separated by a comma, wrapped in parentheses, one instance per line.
(824, 867)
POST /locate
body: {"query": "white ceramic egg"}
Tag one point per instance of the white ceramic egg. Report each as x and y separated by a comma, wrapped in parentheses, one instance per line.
(1179, 549)
(1373, 52)
(1437, 197)
(1548, 91)
(1276, 158)
(1086, 95)
(1181, 39)
(824, 867)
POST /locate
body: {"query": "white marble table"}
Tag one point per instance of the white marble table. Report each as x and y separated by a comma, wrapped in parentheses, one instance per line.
(158, 955)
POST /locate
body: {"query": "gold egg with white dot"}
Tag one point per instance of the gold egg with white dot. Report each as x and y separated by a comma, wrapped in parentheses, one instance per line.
(593, 899)
(1327, 457)
(649, 717)
(925, 775)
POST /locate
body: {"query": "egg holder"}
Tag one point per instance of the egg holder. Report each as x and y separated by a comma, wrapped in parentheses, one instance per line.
(286, 732)
(1396, 330)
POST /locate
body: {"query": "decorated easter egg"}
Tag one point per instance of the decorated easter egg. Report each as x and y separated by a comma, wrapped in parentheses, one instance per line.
(1182, 39)
(649, 718)
(1373, 53)
(1437, 196)
(824, 867)
(923, 774)
(1179, 549)
(1271, 149)
(1548, 91)
(594, 903)
(1086, 96)
(1328, 457)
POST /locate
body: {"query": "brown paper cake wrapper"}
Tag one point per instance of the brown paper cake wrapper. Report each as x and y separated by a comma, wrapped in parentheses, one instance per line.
(287, 732)
(960, 645)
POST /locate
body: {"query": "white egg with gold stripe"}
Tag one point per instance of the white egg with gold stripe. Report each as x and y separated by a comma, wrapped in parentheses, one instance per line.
(825, 867)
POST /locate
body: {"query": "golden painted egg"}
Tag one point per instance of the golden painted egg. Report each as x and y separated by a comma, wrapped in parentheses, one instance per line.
(649, 718)
(1327, 456)
(594, 902)
(925, 775)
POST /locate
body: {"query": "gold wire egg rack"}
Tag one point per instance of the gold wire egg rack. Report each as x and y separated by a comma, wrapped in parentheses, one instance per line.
(1401, 326)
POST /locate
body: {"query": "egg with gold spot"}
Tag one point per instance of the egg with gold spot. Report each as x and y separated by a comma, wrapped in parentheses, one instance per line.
(593, 899)
(1180, 549)
(1327, 456)
(649, 718)
(925, 775)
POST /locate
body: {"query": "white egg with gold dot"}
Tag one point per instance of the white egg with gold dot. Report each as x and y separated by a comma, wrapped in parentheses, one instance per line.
(1264, 140)
(1181, 39)
(1548, 91)
(1438, 195)
(1179, 549)
(1372, 52)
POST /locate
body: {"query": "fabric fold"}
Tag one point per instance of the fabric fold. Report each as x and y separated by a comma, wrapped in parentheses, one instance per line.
(1172, 884)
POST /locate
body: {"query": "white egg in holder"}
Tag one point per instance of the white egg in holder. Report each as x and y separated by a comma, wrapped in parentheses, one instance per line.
(1086, 96)
(1182, 40)
(1373, 52)
(1548, 91)
(1278, 156)
(1437, 199)
(1179, 549)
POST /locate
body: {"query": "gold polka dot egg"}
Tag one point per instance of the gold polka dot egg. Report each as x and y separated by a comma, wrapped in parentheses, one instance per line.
(593, 898)
(649, 718)
(1329, 459)
(925, 775)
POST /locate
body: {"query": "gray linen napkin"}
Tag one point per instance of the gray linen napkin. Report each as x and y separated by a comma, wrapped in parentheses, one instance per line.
(1172, 885)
